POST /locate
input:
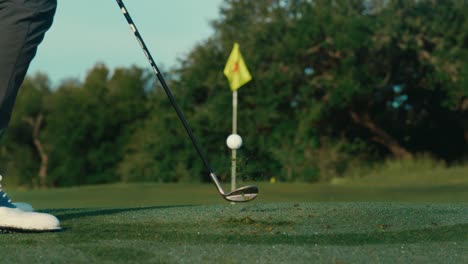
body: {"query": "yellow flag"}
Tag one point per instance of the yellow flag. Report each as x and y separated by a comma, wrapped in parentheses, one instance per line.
(236, 71)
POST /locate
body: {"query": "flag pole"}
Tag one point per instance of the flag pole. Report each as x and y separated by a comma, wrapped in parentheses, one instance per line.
(234, 131)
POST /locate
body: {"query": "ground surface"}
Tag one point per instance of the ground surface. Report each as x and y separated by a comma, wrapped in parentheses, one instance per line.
(289, 223)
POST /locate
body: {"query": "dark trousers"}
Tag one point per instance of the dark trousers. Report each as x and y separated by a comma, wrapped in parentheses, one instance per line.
(23, 24)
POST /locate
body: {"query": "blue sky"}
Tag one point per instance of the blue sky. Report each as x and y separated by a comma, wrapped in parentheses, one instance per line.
(89, 31)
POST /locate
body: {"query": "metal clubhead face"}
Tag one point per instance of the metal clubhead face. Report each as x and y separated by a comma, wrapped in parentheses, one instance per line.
(243, 194)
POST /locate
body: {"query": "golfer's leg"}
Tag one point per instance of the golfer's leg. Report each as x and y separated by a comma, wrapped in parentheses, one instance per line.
(23, 24)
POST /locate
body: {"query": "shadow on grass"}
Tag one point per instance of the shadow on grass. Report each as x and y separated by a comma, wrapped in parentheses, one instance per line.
(68, 214)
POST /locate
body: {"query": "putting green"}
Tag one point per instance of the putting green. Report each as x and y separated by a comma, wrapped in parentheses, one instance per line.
(326, 232)
(288, 223)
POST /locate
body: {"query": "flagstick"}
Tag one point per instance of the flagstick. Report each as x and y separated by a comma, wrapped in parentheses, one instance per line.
(237, 74)
(234, 131)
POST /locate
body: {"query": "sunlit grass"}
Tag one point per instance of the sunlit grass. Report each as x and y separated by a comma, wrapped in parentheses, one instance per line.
(420, 171)
(370, 222)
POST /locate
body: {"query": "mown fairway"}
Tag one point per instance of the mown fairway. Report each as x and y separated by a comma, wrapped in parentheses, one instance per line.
(289, 223)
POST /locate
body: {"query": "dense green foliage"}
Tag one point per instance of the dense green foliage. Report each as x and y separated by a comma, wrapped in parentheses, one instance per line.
(337, 84)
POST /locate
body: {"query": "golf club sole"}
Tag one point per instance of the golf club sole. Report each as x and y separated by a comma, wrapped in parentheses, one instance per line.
(243, 194)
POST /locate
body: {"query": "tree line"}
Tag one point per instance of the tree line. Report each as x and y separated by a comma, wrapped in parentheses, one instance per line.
(335, 84)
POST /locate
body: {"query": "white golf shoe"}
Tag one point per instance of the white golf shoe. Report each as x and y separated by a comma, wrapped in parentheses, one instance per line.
(21, 217)
(13, 219)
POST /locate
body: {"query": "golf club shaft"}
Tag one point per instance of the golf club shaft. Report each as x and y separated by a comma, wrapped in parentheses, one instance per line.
(169, 94)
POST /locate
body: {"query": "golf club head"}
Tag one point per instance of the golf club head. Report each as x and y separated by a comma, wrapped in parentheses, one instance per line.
(243, 194)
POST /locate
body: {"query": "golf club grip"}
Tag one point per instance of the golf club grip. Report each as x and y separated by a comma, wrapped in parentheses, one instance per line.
(164, 85)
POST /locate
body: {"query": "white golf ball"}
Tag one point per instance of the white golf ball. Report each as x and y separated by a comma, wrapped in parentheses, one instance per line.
(234, 141)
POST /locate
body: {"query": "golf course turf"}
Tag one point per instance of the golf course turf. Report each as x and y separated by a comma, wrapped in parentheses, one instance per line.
(414, 227)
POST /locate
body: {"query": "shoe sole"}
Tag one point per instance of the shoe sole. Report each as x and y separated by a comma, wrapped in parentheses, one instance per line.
(10, 230)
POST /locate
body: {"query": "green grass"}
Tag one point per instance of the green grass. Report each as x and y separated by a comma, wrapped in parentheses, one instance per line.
(148, 194)
(420, 171)
(289, 223)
